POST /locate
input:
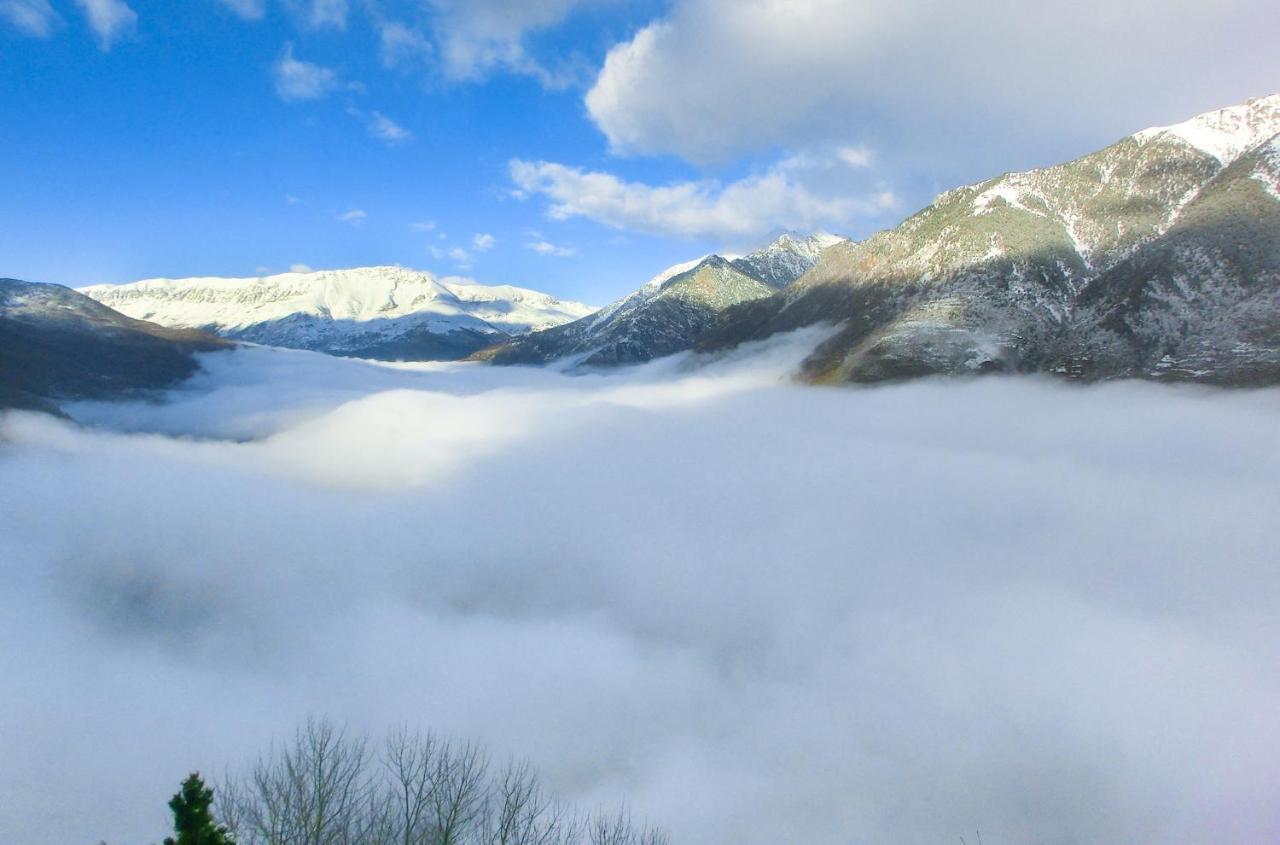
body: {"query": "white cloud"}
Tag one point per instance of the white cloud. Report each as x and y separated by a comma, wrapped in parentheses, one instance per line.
(460, 257)
(748, 208)
(387, 130)
(403, 47)
(110, 20)
(423, 226)
(34, 17)
(716, 78)
(478, 37)
(300, 268)
(250, 10)
(292, 200)
(855, 156)
(544, 247)
(299, 80)
(356, 217)
(483, 242)
(329, 13)
(761, 613)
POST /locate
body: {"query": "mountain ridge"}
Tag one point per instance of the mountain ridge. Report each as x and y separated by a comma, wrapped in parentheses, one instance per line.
(57, 344)
(375, 312)
(993, 276)
(671, 311)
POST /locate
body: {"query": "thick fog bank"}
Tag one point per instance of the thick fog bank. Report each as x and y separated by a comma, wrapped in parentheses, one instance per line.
(759, 612)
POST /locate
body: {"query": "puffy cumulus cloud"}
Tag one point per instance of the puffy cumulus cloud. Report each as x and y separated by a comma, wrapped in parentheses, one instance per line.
(299, 80)
(762, 613)
(478, 37)
(110, 20)
(483, 242)
(715, 78)
(783, 196)
(33, 17)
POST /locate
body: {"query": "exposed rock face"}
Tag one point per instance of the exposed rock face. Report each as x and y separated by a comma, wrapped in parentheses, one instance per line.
(388, 313)
(1155, 257)
(670, 312)
(58, 344)
(786, 259)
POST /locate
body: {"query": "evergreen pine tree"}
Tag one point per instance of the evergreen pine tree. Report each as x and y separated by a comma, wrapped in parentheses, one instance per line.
(192, 818)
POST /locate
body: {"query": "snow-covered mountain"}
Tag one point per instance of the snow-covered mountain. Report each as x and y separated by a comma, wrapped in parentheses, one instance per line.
(373, 312)
(58, 344)
(1158, 256)
(672, 310)
(786, 259)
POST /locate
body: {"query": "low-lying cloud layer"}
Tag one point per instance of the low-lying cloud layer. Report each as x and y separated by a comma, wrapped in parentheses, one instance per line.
(762, 613)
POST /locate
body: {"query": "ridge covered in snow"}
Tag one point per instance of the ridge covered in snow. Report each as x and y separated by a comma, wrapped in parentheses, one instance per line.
(671, 311)
(1226, 133)
(372, 311)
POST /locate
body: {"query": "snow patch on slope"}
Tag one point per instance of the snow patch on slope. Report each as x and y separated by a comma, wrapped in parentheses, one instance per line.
(1224, 134)
(362, 298)
(643, 294)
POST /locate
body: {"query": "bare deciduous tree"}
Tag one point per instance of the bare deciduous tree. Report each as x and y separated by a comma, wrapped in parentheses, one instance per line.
(619, 829)
(521, 813)
(325, 788)
(314, 791)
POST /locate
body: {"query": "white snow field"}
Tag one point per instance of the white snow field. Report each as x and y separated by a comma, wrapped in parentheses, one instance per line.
(338, 310)
(759, 612)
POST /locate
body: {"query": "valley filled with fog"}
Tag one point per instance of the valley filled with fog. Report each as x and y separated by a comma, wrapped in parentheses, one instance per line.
(758, 612)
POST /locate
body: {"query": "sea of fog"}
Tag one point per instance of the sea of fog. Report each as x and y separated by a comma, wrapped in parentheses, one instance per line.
(760, 613)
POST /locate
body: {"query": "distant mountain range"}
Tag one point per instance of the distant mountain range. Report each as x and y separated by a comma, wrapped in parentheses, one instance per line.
(57, 344)
(670, 312)
(1157, 257)
(387, 313)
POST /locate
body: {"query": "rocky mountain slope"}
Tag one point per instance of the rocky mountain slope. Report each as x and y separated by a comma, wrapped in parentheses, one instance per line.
(1155, 257)
(58, 344)
(671, 311)
(372, 312)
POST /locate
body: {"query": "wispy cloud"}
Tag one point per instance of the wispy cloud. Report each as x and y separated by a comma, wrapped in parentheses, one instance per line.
(329, 13)
(543, 247)
(250, 10)
(749, 207)
(423, 226)
(299, 80)
(483, 242)
(387, 130)
(356, 217)
(459, 256)
(110, 20)
(402, 47)
(33, 17)
(479, 37)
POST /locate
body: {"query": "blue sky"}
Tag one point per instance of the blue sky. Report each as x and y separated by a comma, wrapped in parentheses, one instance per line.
(576, 146)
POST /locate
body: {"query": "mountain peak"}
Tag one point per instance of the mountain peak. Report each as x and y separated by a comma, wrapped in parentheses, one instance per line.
(1226, 133)
(787, 258)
